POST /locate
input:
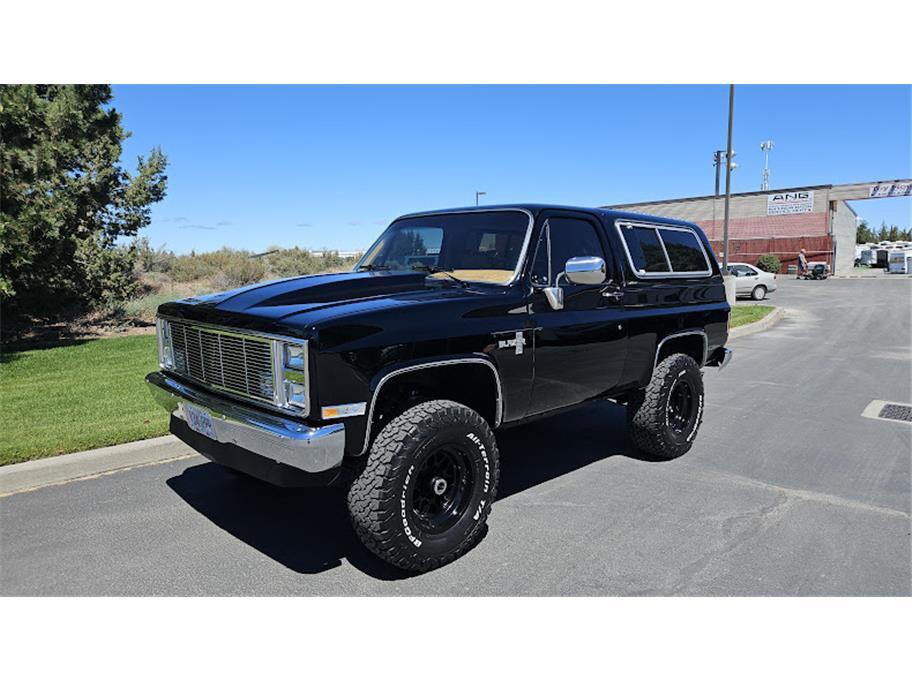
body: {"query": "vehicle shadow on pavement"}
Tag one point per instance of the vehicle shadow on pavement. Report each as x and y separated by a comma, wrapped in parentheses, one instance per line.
(308, 530)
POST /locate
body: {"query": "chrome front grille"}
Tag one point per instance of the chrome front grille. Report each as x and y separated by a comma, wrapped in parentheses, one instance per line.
(224, 360)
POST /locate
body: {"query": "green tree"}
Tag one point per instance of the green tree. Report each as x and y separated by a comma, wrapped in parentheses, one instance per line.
(883, 234)
(864, 234)
(65, 198)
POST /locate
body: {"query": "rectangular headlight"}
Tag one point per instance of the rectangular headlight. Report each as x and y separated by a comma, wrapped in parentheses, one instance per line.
(165, 348)
(292, 368)
(295, 357)
(295, 393)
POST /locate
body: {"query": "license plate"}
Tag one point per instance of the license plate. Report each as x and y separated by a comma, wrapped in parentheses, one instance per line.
(199, 420)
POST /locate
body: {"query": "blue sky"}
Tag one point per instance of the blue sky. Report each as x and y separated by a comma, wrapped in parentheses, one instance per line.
(329, 167)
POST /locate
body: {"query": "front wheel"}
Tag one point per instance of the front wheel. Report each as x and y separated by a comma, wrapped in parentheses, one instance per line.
(664, 418)
(759, 293)
(427, 487)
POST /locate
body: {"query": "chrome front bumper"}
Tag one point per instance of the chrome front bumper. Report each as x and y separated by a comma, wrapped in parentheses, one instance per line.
(726, 358)
(283, 440)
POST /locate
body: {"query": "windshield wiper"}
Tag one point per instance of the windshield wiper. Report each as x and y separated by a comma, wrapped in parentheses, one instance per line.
(433, 270)
(371, 267)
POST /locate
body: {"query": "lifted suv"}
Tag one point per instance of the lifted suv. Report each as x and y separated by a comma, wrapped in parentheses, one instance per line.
(393, 378)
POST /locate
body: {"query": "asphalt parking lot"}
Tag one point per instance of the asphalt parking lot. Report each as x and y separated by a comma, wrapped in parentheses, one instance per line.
(788, 491)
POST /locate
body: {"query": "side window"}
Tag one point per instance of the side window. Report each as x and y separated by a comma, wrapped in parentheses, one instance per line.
(645, 249)
(658, 251)
(570, 237)
(684, 251)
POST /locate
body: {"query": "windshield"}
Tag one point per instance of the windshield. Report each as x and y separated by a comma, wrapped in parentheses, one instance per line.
(483, 246)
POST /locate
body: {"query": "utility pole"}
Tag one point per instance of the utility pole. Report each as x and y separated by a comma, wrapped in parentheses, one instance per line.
(479, 194)
(766, 146)
(728, 174)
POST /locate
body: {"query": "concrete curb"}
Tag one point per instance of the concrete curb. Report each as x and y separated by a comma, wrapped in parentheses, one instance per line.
(16, 478)
(759, 326)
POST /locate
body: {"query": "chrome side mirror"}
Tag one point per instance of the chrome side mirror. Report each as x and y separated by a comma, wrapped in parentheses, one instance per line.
(586, 270)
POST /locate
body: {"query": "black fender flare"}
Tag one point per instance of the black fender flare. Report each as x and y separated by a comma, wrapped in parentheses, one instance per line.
(376, 384)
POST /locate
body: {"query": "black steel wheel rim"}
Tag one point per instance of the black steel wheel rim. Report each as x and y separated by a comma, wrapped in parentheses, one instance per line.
(442, 489)
(680, 406)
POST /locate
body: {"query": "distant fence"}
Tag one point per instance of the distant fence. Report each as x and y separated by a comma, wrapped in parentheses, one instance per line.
(786, 248)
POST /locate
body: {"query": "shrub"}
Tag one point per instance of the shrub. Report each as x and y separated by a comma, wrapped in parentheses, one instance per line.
(296, 261)
(231, 268)
(149, 259)
(290, 263)
(769, 262)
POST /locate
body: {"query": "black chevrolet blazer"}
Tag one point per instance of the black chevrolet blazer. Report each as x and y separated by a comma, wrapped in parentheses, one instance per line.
(392, 378)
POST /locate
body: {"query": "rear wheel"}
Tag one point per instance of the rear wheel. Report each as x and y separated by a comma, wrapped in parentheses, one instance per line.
(427, 487)
(664, 417)
(759, 292)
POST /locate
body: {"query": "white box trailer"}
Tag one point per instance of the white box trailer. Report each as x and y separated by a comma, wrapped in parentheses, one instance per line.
(899, 262)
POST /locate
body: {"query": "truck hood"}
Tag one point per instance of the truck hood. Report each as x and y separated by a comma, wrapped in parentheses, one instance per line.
(314, 297)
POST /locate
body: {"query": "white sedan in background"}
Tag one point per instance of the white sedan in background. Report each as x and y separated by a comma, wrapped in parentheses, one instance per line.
(751, 281)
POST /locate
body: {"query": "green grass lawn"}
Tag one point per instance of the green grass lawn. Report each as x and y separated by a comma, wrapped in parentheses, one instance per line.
(745, 314)
(77, 397)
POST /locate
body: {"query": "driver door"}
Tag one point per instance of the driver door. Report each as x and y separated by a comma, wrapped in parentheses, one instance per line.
(580, 349)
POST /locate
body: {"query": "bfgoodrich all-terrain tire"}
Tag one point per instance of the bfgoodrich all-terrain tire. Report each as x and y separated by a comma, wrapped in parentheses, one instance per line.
(427, 487)
(664, 417)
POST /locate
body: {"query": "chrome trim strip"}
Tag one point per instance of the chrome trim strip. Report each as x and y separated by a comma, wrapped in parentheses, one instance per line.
(692, 332)
(311, 449)
(661, 226)
(498, 411)
(522, 254)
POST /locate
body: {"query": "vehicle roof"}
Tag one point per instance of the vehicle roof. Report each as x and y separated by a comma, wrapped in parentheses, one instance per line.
(535, 209)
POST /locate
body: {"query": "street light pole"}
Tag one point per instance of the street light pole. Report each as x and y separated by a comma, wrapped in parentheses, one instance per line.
(479, 194)
(728, 173)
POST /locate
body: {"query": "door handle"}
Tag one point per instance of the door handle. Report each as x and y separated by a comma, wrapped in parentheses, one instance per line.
(613, 295)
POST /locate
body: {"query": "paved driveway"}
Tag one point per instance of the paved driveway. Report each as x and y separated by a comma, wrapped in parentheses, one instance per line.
(788, 491)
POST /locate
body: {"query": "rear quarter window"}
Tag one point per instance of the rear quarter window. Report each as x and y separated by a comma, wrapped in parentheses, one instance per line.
(684, 251)
(663, 251)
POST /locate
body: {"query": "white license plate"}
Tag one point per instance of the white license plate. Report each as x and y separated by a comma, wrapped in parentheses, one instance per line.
(199, 420)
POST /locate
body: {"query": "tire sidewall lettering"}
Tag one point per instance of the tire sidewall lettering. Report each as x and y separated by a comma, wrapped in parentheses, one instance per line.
(699, 411)
(484, 474)
(403, 506)
(486, 485)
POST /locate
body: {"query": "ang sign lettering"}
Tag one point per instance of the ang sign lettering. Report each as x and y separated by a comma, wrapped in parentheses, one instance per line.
(784, 203)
